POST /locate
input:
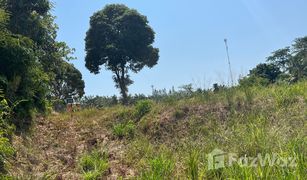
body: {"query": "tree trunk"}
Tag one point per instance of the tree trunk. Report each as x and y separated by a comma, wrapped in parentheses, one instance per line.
(120, 80)
(124, 95)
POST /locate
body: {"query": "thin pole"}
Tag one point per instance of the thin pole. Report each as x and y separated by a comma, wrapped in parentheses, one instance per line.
(228, 58)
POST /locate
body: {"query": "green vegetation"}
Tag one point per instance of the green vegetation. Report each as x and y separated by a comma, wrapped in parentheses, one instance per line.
(34, 67)
(142, 108)
(168, 135)
(93, 165)
(124, 130)
(192, 164)
(129, 48)
(160, 167)
(174, 140)
(284, 65)
(6, 149)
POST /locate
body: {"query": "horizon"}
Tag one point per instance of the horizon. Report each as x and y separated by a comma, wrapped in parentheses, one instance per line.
(191, 43)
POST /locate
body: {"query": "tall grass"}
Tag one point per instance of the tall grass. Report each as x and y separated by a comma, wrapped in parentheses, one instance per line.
(259, 120)
(193, 164)
(172, 137)
(160, 167)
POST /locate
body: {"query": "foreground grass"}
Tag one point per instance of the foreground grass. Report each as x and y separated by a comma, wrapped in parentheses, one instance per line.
(93, 165)
(172, 138)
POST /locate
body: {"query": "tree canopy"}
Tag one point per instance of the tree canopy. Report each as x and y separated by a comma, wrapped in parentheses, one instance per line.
(292, 60)
(120, 39)
(266, 71)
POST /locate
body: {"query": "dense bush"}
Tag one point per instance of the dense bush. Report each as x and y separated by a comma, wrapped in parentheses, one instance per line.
(22, 77)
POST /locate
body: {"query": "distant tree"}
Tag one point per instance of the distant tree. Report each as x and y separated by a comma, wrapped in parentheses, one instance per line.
(263, 74)
(98, 101)
(250, 81)
(266, 71)
(67, 82)
(217, 87)
(298, 65)
(281, 58)
(292, 60)
(120, 39)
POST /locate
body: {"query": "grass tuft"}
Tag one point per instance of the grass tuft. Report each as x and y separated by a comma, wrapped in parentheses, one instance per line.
(93, 165)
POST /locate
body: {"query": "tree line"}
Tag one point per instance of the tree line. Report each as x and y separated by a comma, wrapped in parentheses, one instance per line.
(288, 64)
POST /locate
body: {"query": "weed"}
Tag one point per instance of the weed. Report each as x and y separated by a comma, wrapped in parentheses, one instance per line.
(93, 165)
(142, 108)
(124, 130)
(192, 164)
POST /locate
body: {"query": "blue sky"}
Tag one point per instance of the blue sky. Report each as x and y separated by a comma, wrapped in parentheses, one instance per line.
(190, 37)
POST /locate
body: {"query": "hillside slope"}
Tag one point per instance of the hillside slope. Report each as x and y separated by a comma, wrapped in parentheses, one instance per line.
(172, 138)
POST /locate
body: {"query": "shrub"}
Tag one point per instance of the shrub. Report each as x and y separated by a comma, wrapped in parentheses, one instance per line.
(6, 149)
(142, 108)
(93, 165)
(124, 130)
(119, 130)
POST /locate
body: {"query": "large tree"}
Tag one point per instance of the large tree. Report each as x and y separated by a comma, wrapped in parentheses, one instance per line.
(120, 39)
